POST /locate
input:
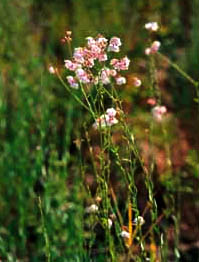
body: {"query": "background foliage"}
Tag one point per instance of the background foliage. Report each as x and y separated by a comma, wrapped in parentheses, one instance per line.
(40, 122)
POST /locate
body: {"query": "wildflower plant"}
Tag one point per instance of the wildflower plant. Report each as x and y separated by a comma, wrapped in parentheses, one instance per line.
(82, 163)
(92, 76)
(95, 71)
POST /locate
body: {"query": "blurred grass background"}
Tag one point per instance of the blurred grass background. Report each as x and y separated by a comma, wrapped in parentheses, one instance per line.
(39, 121)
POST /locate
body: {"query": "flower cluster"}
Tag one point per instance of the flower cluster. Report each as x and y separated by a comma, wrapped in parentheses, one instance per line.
(107, 119)
(153, 49)
(82, 64)
(122, 64)
(158, 112)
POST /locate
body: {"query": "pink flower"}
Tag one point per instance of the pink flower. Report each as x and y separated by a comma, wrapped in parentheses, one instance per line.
(102, 57)
(89, 62)
(99, 41)
(101, 121)
(111, 112)
(84, 58)
(137, 82)
(90, 41)
(71, 66)
(153, 49)
(115, 41)
(151, 101)
(105, 76)
(113, 72)
(158, 112)
(107, 119)
(79, 55)
(72, 82)
(102, 41)
(114, 44)
(114, 62)
(120, 80)
(97, 53)
(111, 121)
(152, 26)
(82, 76)
(122, 64)
(95, 50)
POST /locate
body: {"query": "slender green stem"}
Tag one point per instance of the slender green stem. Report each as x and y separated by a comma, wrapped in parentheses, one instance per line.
(128, 134)
(180, 70)
(70, 48)
(69, 90)
(153, 80)
(87, 100)
(44, 231)
(183, 73)
(91, 155)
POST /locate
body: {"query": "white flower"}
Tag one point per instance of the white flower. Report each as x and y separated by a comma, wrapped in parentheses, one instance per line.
(82, 76)
(111, 112)
(102, 40)
(147, 51)
(104, 77)
(114, 45)
(125, 234)
(137, 82)
(152, 26)
(158, 112)
(155, 46)
(110, 223)
(101, 121)
(107, 119)
(153, 49)
(138, 221)
(71, 66)
(102, 57)
(91, 41)
(79, 55)
(120, 80)
(72, 81)
(92, 209)
(51, 70)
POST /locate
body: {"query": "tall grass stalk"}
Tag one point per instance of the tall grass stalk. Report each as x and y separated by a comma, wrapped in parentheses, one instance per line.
(44, 230)
(182, 73)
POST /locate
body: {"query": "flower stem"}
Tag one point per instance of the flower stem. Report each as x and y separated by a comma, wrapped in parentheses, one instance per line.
(44, 231)
(68, 89)
(180, 70)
